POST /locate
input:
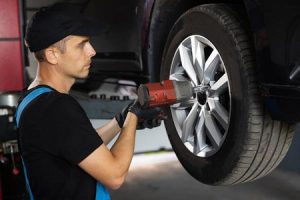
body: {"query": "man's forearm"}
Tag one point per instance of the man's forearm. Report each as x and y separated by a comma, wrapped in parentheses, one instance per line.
(108, 131)
(110, 167)
(123, 148)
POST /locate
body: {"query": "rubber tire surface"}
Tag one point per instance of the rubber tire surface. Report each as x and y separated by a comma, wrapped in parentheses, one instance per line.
(255, 144)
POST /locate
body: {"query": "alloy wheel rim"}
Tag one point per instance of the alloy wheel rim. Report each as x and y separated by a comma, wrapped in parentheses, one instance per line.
(201, 122)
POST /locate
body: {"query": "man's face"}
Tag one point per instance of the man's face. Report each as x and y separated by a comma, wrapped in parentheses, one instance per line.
(75, 61)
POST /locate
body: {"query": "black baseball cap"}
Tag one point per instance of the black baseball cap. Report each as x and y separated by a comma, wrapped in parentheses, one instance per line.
(53, 23)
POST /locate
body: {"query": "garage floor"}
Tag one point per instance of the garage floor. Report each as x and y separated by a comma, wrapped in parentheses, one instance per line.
(160, 176)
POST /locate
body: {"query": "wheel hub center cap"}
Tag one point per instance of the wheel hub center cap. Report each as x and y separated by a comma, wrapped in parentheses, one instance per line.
(201, 98)
(201, 91)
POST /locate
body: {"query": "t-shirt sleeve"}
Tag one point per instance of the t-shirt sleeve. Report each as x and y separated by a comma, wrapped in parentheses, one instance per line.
(78, 138)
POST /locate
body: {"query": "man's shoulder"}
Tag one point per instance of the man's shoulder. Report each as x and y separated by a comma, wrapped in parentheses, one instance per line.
(59, 101)
(51, 99)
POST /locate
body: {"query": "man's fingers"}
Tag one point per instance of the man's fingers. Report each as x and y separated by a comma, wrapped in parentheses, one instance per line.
(150, 123)
(162, 116)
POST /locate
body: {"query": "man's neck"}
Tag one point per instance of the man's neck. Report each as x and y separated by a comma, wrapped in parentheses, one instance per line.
(49, 76)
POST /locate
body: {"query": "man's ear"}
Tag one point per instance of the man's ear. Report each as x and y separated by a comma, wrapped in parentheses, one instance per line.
(51, 55)
(25, 42)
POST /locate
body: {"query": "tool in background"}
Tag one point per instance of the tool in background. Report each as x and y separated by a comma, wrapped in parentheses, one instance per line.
(164, 93)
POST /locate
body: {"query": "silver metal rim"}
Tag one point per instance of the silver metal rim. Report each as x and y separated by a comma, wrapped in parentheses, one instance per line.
(201, 122)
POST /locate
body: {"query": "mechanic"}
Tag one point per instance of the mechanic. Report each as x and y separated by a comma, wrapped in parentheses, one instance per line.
(63, 155)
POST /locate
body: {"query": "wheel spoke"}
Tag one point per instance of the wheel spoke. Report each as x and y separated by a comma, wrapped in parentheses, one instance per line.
(219, 112)
(180, 116)
(183, 105)
(178, 77)
(189, 123)
(187, 64)
(200, 134)
(198, 56)
(211, 65)
(218, 87)
(213, 131)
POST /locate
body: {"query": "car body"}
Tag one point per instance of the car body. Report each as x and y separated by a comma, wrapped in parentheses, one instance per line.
(136, 33)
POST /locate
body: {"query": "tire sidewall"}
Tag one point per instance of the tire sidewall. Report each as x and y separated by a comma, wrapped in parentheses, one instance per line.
(212, 169)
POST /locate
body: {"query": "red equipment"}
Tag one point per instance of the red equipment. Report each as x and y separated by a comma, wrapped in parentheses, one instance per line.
(164, 93)
(11, 47)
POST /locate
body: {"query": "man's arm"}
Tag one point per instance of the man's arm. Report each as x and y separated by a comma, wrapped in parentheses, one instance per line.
(109, 131)
(113, 127)
(111, 166)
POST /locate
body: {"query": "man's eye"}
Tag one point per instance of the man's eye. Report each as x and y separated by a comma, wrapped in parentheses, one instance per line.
(81, 45)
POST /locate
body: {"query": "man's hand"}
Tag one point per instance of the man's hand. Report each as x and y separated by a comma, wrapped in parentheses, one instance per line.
(149, 123)
(120, 117)
(148, 118)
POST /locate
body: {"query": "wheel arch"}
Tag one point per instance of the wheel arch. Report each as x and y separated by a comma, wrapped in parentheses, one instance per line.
(163, 16)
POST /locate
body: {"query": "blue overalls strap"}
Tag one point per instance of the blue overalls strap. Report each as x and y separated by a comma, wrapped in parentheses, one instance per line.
(101, 192)
(31, 96)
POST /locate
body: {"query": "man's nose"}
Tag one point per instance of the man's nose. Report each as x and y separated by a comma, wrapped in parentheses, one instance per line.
(91, 50)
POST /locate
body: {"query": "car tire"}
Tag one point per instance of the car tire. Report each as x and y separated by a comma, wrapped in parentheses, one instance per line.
(248, 144)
